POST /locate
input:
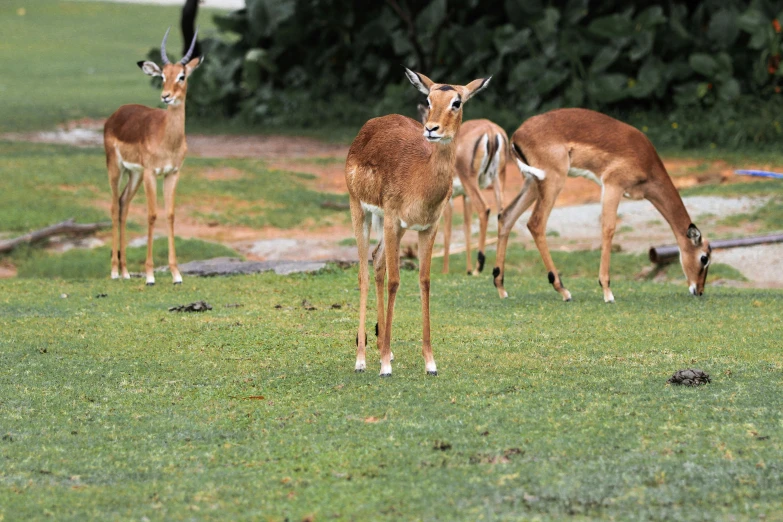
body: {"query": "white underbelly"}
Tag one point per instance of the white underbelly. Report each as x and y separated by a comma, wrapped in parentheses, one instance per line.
(584, 173)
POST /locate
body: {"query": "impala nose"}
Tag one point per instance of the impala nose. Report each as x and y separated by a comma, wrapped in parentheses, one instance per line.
(432, 129)
(165, 97)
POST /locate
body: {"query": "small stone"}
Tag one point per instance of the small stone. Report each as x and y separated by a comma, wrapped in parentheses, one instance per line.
(689, 377)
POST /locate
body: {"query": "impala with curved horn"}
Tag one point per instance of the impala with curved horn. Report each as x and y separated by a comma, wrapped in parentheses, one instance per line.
(482, 150)
(621, 159)
(143, 143)
(399, 173)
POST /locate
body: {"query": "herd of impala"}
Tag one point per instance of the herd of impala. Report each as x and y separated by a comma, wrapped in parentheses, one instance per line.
(402, 174)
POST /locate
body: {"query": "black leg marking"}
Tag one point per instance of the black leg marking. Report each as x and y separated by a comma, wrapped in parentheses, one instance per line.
(487, 213)
(481, 260)
(495, 274)
(365, 338)
(551, 276)
(600, 283)
(499, 216)
(376, 329)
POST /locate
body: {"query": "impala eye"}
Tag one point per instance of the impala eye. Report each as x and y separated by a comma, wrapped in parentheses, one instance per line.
(181, 78)
(456, 105)
(705, 260)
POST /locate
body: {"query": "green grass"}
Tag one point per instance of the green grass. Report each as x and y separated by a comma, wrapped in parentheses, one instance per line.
(114, 408)
(44, 184)
(66, 60)
(769, 216)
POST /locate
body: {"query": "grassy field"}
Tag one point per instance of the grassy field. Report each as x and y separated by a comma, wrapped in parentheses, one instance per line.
(66, 60)
(115, 408)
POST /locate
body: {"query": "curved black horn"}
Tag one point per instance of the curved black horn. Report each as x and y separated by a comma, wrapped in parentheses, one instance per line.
(186, 58)
(163, 56)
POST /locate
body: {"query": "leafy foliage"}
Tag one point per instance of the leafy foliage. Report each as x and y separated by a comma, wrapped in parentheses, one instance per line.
(310, 60)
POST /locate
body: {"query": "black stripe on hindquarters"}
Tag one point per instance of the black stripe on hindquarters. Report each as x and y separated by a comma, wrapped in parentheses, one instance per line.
(519, 153)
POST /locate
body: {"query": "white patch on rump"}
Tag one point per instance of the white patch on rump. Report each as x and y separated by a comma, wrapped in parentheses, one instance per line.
(492, 171)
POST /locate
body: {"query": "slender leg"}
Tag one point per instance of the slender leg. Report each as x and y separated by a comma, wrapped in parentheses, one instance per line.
(548, 192)
(169, 186)
(361, 229)
(392, 232)
(150, 191)
(473, 194)
(468, 214)
(447, 215)
(134, 180)
(506, 221)
(379, 269)
(610, 199)
(426, 242)
(114, 183)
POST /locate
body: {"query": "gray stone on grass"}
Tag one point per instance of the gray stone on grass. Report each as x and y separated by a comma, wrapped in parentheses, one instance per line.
(223, 266)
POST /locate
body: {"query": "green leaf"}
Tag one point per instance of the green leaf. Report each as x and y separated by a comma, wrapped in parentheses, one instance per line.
(608, 88)
(723, 28)
(265, 16)
(508, 39)
(549, 79)
(612, 26)
(605, 57)
(650, 77)
(547, 26)
(650, 17)
(575, 10)
(703, 64)
(575, 93)
(644, 44)
(729, 90)
(752, 20)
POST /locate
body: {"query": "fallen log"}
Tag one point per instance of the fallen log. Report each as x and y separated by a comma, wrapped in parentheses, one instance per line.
(67, 227)
(663, 255)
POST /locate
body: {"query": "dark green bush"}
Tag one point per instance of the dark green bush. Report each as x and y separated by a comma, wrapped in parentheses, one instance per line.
(307, 62)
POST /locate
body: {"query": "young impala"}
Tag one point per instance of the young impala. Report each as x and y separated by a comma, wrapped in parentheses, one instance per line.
(482, 149)
(399, 173)
(144, 143)
(578, 142)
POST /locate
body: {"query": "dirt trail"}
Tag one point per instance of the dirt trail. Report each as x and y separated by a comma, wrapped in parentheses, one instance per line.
(574, 223)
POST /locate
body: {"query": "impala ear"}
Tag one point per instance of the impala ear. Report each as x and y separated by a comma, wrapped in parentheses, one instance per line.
(150, 68)
(419, 81)
(423, 112)
(474, 87)
(193, 64)
(694, 235)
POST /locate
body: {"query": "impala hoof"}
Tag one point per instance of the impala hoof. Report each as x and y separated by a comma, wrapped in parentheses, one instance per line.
(177, 283)
(470, 273)
(151, 284)
(385, 375)
(435, 373)
(359, 370)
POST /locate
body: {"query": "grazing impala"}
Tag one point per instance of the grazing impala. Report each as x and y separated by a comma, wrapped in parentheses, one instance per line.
(578, 142)
(144, 143)
(482, 149)
(399, 173)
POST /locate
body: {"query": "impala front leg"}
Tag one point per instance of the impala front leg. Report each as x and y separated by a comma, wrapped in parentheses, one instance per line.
(426, 242)
(169, 186)
(150, 191)
(506, 221)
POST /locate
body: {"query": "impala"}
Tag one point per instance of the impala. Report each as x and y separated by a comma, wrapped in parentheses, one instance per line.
(579, 142)
(144, 143)
(399, 173)
(482, 149)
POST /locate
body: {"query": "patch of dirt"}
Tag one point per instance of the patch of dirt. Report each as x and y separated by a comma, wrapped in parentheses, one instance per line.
(7, 270)
(222, 174)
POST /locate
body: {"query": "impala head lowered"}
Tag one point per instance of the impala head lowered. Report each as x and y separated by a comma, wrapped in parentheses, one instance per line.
(696, 259)
(444, 105)
(174, 75)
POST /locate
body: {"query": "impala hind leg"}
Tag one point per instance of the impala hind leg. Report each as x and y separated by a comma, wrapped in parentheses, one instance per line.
(480, 205)
(426, 242)
(548, 192)
(134, 180)
(447, 218)
(467, 214)
(506, 221)
(610, 200)
(150, 191)
(392, 232)
(361, 229)
(169, 186)
(379, 270)
(114, 183)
